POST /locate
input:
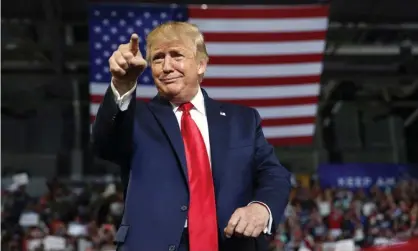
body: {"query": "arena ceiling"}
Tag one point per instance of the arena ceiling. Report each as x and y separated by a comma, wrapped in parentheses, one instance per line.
(388, 11)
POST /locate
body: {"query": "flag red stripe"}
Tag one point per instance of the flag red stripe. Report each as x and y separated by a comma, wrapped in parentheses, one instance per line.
(273, 102)
(249, 102)
(288, 121)
(247, 82)
(273, 59)
(256, 13)
(271, 122)
(264, 37)
(306, 140)
(95, 98)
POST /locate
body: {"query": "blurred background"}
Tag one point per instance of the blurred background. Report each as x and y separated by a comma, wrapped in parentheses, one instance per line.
(348, 130)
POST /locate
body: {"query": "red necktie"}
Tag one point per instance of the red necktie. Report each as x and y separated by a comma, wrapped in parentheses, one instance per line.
(202, 222)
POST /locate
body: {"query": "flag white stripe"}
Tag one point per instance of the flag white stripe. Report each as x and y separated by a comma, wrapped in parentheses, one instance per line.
(288, 131)
(264, 48)
(271, 112)
(261, 92)
(231, 93)
(260, 25)
(294, 111)
(306, 130)
(254, 71)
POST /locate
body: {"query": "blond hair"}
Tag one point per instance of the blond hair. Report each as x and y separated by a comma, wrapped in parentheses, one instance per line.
(178, 31)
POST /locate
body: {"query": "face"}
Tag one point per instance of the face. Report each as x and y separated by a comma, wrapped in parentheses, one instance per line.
(176, 70)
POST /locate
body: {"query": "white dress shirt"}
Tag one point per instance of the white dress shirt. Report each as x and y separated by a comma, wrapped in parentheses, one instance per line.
(198, 114)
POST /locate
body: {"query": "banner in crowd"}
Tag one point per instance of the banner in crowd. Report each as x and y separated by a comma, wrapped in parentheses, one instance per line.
(348, 245)
(354, 176)
(409, 245)
(266, 57)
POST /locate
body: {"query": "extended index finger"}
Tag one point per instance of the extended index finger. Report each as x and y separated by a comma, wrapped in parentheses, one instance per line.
(134, 43)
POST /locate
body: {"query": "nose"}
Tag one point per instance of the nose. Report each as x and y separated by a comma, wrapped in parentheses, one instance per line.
(167, 65)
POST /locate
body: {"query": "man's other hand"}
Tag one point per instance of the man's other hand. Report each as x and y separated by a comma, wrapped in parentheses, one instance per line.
(249, 221)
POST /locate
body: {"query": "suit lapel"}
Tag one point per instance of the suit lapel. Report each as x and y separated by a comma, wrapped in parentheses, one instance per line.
(163, 112)
(218, 135)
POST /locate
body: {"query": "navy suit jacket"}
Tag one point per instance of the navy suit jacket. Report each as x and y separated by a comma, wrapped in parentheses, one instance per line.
(145, 141)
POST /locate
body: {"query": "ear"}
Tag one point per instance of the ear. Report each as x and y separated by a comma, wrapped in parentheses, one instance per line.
(201, 67)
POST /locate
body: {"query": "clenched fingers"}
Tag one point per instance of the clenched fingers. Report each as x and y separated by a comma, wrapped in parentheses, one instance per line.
(232, 224)
(247, 221)
(256, 232)
(127, 58)
(242, 225)
(118, 64)
(247, 229)
(121, 62)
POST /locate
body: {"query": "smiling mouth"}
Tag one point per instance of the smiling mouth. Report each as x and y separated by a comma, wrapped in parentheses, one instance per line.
(169, 80)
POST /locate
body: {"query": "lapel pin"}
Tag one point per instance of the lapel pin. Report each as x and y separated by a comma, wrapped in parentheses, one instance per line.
(222, 114)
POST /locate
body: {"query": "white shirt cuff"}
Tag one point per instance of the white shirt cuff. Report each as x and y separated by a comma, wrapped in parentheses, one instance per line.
(268, 229)
(124, 100)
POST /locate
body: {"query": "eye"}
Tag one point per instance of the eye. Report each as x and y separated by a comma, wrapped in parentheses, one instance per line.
(158, 57)
(176, 55)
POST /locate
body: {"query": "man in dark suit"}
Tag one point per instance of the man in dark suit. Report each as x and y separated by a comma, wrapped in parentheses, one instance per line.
(199, 174)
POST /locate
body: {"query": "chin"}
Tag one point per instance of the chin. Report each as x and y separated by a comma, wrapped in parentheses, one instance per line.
(171, 90)
(174, 89)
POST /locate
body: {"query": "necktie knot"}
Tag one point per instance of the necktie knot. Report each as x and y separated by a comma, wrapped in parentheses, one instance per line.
(186, 107)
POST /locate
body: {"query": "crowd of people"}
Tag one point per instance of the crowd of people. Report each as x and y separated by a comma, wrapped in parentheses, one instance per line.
(69, 218)
(316, 218)
(86, 217)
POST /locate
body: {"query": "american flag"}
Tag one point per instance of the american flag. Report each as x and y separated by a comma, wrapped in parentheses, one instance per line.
(266, 57)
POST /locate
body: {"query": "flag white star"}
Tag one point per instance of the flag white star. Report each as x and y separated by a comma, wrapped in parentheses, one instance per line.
(106, 38)
(122, 39)
(130, 30)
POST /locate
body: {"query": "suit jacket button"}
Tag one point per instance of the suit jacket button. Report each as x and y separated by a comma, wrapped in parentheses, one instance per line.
(184, 208)
(171, 248)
